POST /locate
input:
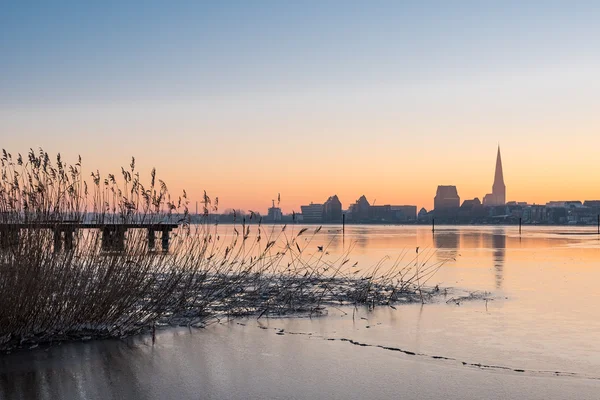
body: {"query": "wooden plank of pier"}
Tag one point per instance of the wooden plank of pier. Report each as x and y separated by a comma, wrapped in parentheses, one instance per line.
(87, 225)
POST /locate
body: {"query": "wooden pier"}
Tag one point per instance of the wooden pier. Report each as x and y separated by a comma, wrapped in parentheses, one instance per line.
(113, 234)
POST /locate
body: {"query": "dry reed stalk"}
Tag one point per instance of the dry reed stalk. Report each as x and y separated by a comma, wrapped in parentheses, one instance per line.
(87, 291)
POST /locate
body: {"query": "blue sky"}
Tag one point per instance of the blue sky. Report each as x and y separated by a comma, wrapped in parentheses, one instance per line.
(80, 51)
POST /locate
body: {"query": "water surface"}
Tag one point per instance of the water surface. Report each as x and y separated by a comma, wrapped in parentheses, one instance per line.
(537, 337)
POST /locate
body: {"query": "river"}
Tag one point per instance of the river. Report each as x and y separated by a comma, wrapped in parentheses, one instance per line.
(536, 336)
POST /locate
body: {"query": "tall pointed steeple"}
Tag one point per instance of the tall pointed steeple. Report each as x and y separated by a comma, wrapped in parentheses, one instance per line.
(498, 176)
(499, 188)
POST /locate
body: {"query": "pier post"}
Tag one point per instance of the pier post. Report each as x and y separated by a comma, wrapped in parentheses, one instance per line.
(598, 224)
(107, 238)
(119, 239)
(519, 225)
(113, 238)
(165, 239)
(57, 240)
(151, 239)
(9, 237)
(343, 224)
(69, 239)
(433, 225)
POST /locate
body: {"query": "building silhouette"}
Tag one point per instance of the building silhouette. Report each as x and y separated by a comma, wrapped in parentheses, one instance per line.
(404, 213)
(498, 195)
(312, 213)
(423, 215)
(332, 210)
(274, 213)
(446, 197)
(363, 211)
(360, 209)
(470, 204)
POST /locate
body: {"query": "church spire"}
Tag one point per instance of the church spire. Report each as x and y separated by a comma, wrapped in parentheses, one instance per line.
(498, 176)
(499, 188)
(498, 195)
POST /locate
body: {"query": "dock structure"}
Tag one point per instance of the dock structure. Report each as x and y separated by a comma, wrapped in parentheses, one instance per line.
(113, 234)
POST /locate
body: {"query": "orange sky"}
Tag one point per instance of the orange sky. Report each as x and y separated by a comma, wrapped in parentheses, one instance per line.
(308, 156)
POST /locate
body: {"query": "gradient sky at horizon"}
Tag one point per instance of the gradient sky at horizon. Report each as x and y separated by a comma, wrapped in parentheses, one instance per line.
(308, 99)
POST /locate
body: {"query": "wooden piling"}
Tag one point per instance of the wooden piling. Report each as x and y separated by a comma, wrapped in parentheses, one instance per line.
(57, 240)
(165, 239)
(120, 238)
(433, 225)
(8, 238)
(69, 239)
(151, 239)
(343, 224)
(107, 238)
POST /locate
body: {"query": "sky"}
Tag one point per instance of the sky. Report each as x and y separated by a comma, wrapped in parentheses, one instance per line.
(311, 98)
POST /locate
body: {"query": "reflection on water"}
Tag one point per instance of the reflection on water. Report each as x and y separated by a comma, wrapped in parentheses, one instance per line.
(72, 371)
(499, 249)
(361, 236)
(447, 243)
(334, 240)
(450, 242)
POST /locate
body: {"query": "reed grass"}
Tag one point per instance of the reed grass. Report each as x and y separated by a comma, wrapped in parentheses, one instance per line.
(210, 271)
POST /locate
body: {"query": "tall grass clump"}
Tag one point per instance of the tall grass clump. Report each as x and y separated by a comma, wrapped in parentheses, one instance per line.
(49, 293)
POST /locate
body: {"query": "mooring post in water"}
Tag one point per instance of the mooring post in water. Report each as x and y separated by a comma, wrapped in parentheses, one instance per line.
(343, 224)
(598, 224)
(519, 225)
(433, 225)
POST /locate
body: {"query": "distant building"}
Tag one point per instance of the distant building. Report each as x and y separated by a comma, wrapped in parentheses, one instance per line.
(380, 213)
(422, 213)
(564, 204)
(537, 214)
(360, 209)
(498, 195)
(363, 211)
(469, 204)
(446, 197)
(557, 215)
(312, 213)
(274, 213)
(332, 210)
(517, 203)
(592, 204)
(404, 213)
